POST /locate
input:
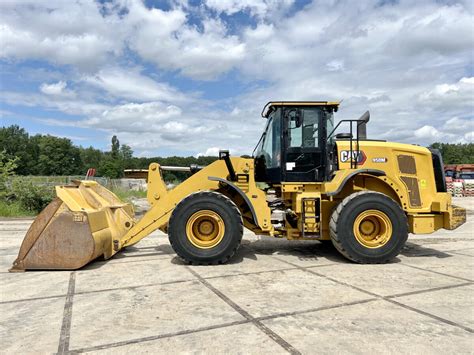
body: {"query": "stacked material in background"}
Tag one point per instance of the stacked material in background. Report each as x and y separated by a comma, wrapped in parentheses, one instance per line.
(468, 187)
(449, 185)
(458, 189)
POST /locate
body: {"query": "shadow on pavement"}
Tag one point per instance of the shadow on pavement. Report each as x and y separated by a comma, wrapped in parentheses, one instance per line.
(416, 250)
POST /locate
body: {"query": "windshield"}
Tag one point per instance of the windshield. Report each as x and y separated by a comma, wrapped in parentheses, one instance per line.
(258, 148)
(269, 147)
(330, 126)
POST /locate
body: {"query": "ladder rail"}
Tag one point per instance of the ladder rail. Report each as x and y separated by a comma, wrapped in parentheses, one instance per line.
(305, 217)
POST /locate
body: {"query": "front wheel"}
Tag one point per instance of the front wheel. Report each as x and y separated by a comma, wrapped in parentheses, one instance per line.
(369, 228)
(205, 228)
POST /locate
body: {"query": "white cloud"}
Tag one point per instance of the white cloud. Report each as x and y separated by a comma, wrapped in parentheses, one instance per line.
(259, 8)
(335, 65)
(405, 61)
(461, 92)
(133, 117)
(427, 132)
(56, 89)
(214, 152)
(211, 152)
(131, 84)
(165, 39)
(64, 33)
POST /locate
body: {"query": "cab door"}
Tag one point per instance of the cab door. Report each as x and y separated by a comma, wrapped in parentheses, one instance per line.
(303, 157)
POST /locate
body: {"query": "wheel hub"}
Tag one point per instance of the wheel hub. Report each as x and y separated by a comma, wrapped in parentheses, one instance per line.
(373, 229)
(205, 229)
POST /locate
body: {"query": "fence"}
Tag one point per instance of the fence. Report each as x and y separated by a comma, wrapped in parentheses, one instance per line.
(112, 184)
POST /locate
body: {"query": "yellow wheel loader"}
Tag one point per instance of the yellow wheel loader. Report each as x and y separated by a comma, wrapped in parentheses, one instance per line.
(303, 182)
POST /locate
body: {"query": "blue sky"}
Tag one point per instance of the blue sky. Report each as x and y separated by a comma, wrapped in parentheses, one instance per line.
(177, 77)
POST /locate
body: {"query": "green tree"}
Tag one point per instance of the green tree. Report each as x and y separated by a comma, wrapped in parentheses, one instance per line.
(57, 156)
(16, 142)
(126, 154)
(91, 157)
(115, 147)
(111, 168)
(456, 153)
(7, 169)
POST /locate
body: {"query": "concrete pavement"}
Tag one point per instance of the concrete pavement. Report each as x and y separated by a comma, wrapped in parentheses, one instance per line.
(275, 296)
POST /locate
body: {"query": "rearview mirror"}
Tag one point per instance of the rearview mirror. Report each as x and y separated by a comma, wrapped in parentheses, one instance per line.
(295, 115)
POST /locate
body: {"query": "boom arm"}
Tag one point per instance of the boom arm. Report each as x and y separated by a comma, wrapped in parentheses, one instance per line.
(164, 201)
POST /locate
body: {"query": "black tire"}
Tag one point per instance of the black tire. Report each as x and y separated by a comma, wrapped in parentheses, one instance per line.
(227, 211)
(342, 231)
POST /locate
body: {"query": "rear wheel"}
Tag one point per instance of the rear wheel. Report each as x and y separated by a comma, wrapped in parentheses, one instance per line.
(368, 227)
(205, 228)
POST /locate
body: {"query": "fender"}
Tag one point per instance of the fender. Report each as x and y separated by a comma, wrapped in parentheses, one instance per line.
(373, 172)
(240, 192)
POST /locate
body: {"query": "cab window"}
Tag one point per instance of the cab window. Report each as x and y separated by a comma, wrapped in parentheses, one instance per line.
(307, 134)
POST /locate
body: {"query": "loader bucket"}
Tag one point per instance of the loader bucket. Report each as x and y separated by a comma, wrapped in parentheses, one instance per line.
(85, 221)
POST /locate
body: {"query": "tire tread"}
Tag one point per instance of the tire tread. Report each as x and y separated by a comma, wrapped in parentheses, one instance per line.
(334, 222)
(212, 194)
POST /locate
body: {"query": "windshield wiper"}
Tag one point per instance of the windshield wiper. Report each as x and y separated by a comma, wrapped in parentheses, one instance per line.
(263, 135)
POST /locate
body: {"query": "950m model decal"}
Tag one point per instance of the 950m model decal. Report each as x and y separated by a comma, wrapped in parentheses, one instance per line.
(357, 155)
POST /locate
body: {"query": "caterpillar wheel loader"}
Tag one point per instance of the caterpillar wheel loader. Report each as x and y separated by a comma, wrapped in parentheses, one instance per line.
(303, 182)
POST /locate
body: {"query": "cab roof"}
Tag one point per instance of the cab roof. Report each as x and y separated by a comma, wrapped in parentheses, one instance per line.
(268, 107)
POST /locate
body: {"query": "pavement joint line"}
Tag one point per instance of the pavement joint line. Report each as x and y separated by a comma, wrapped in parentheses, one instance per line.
(443, 320)
(65, 334)
(136, 255)
(459, 253)
(294, 267)
(437, 272)
(313, 310)
(119, 261)
(143, 285)
(270, 333)
(15, 230)
(247, 273)
(135, 286)
(456, 250)
(429, 290)
(180, 281)
(157, 337)
(387, 299)
(33, 299)
(213, 327)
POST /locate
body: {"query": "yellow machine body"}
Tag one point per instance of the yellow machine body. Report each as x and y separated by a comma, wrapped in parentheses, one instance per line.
(86, 221)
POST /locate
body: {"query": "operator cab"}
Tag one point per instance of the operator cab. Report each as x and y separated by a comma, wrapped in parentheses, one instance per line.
(294, 146)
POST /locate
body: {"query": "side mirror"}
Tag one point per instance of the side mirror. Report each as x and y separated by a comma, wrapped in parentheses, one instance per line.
(295, 115)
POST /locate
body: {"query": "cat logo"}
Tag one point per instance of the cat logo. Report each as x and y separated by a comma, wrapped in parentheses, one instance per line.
(357, 156)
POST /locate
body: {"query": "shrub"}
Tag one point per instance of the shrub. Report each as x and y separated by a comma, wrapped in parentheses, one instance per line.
(7, 168)
(30, 196)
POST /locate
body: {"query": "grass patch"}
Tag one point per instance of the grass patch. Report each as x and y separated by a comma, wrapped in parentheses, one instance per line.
(127, 195)
(14, 209)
